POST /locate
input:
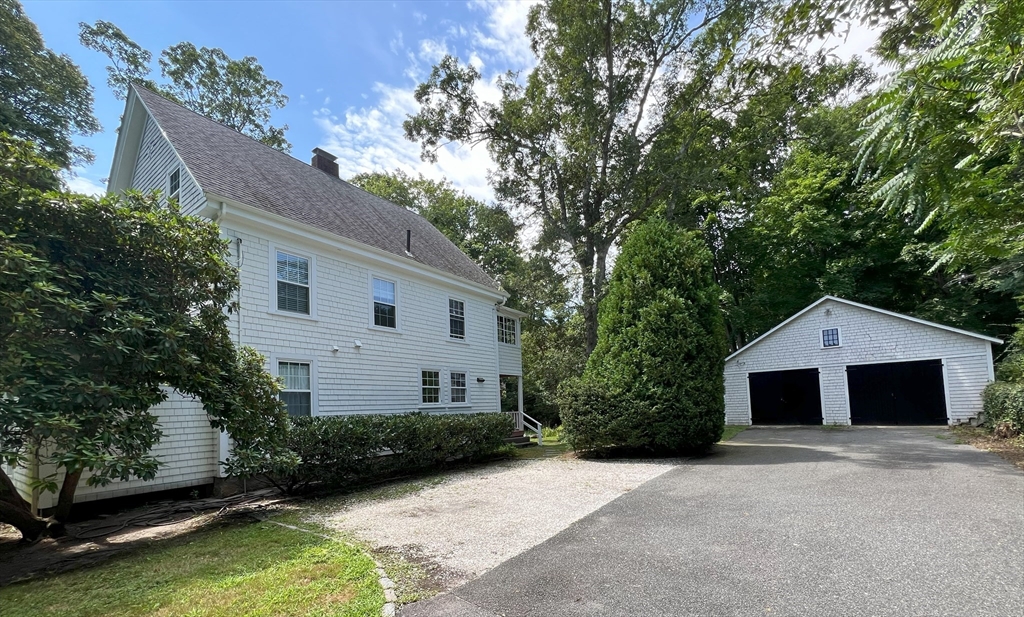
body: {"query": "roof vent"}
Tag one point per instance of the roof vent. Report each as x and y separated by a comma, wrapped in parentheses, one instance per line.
(325, 162)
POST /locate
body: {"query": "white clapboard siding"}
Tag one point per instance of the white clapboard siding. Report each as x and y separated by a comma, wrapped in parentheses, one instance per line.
(868, 337)
(382, 374)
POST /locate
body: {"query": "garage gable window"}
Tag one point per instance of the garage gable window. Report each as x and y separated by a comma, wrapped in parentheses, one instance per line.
(830, 337)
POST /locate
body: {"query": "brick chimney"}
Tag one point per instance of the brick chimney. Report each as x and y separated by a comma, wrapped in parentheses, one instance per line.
(325, 162)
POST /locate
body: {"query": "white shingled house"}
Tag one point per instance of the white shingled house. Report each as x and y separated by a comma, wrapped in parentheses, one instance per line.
(360, 305)
(840, 362)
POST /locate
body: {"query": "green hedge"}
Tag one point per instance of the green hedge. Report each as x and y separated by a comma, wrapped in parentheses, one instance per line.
(345, 450)
(1004, 402)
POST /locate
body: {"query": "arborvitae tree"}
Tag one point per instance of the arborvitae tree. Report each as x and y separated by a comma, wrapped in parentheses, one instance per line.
(655, 379)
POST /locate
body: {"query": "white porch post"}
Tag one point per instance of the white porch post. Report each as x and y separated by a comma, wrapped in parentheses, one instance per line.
(520, 382)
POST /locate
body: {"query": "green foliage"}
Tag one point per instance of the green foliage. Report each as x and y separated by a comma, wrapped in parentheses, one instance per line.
(553, 352)
(1004, 403)
(130, 62)
(235, 93)
(579, 141)
(346, 450)
(485, 232)
(44, 97)
(655, 378)
(104, 304)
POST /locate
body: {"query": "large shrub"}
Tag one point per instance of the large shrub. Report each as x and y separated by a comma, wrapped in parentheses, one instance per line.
(655, 379)
(1004, 405)
(345, 450)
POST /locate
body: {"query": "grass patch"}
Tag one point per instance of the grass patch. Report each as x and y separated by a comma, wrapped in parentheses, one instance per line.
(731, 431)
(251, 569)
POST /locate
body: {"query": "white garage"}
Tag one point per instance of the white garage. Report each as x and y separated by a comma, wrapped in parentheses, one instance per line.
(840, 362)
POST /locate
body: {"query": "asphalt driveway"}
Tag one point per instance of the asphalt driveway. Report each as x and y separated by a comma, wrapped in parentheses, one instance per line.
(800, 521)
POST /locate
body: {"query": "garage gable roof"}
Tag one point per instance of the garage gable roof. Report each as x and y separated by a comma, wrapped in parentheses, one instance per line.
(863, 306)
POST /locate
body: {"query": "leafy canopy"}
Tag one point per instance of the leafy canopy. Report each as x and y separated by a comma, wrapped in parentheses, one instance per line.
(44, 97)
(235, 93)
(105, 304)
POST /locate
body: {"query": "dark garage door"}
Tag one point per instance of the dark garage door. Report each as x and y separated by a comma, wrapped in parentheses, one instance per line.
(785, 397)
(897, 393)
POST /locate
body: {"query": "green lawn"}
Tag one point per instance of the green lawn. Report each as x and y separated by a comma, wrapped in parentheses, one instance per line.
(252, 569)
(731, 431)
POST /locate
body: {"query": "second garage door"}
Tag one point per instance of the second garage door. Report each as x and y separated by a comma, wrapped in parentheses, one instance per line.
(897, 393)
(785, 397)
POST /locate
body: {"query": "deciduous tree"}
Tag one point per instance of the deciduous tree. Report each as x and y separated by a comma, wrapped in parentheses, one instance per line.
(105, 305)
(43, 95)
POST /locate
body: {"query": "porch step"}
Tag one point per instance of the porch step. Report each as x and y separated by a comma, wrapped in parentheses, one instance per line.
(519, 440)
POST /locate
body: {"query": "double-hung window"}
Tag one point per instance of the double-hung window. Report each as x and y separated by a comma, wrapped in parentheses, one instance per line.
(430, 381)
(506, 330)
(297, 390)
(292, 283)
(458, 387)
(385, 306)
(174, 184)
(456, 319)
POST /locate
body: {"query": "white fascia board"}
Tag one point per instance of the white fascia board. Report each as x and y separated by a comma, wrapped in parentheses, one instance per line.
(302, 232)
(866, 307)
(128, 123)
(511, 311)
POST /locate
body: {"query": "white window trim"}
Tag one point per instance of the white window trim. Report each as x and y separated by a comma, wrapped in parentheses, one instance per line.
(272, 309)
(821, 337)
(175, 194)
(448, 322)
(515, 322)
(275, 359)
(441, 390)
(469, 397)
(398, 304)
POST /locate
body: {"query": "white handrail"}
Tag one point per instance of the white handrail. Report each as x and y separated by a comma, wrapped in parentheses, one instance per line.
(524, 421)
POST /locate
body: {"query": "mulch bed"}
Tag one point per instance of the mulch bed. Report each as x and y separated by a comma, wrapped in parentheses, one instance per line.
(982, 438)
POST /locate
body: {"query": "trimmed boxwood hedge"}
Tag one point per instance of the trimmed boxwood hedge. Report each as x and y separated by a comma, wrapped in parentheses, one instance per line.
(345, 450)
(1004, 403)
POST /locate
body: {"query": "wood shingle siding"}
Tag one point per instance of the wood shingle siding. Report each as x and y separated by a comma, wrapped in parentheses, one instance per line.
(869, 336)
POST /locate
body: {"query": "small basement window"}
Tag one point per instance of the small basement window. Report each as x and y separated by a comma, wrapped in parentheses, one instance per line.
(830, 337)
(297, 390)
(174, 184)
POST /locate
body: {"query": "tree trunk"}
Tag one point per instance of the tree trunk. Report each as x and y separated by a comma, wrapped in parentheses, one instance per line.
(66, 497)
(17, 512)
(589, 297)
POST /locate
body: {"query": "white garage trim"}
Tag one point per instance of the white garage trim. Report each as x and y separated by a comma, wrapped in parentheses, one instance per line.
(990, 339)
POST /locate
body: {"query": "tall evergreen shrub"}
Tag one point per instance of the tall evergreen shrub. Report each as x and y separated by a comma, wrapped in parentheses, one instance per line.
(655, 378)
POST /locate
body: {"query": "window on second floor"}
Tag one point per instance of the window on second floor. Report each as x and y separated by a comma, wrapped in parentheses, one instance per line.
(385, 304)
(292, 283)
(174, 184)
(506, 330)
(456, 319)
(297, 389)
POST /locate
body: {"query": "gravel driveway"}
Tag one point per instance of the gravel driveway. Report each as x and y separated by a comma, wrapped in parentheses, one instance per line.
(790, 522)
(476, 519)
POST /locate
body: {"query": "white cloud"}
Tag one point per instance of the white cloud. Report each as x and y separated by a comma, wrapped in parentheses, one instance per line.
(371, 138)
(77, 183)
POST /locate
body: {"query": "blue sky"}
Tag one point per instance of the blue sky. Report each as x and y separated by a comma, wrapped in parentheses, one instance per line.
(348, 68)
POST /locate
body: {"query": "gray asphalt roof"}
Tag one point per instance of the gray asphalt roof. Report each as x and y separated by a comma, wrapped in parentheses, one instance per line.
(232, 165)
